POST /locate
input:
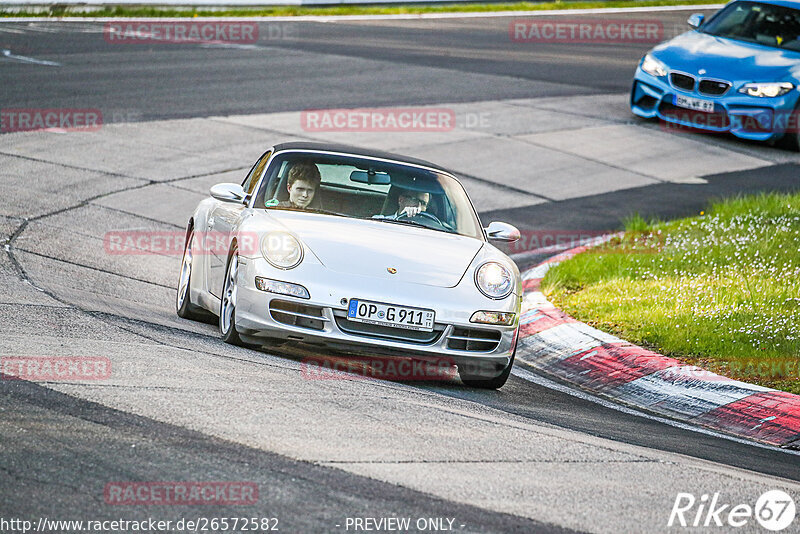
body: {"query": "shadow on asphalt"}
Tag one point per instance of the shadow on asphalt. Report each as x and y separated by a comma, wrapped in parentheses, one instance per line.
(60, 453)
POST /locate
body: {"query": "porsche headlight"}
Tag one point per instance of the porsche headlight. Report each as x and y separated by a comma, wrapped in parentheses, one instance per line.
(494, 280)
(282, 250)
(653, 66)
(282, 288)
(766, 90)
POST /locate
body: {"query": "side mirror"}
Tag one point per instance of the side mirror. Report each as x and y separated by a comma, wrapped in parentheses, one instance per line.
(228, 192)
(696, 20)
(501, 231)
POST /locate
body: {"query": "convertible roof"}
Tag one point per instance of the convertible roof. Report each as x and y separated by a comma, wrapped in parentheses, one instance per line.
(333, 147)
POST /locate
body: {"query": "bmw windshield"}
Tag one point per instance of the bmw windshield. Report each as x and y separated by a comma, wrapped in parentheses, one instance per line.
(754, 22)
(366, 188)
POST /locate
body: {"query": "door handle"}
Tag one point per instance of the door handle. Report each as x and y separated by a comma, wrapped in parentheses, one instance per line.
(211, 222)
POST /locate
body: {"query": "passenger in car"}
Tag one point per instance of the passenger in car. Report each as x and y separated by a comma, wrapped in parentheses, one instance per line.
(302, 184)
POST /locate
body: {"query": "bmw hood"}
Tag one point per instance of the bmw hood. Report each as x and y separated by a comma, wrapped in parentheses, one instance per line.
(727, 59)
(372, 248)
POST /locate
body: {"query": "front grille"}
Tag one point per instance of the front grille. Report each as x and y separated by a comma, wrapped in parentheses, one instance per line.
(294, 314)
(699, 119)
(386, 332)
(473, 339)
(713, 87)
(682, 81)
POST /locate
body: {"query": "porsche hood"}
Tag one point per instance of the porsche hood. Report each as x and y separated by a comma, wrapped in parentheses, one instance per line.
(376, 249)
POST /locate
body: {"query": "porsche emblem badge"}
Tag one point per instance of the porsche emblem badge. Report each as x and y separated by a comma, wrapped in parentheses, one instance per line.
(391, 270)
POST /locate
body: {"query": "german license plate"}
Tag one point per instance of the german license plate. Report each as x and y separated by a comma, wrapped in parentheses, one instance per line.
(693, 103)
(364, 311)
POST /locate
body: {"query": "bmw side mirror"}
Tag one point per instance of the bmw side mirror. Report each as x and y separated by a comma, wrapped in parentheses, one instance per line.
(696, 20)
(500, 231)
(228, 192)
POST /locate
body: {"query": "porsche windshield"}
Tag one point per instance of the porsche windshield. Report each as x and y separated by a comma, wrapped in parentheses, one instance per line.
(766, 24)
(365, 188)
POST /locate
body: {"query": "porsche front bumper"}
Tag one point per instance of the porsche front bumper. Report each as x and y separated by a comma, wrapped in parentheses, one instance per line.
(262, 316)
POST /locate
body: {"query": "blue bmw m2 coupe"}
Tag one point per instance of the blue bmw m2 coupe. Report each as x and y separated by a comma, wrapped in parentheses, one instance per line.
(737, 72)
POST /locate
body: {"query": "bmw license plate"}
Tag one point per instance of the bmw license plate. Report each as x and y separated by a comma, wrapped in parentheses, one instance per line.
(693, 103)
(364, 311)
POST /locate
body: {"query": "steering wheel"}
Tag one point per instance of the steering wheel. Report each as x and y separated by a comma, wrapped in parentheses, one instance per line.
(427, 214)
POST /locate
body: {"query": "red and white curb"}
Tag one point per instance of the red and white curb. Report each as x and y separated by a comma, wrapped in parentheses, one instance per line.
(574, 352)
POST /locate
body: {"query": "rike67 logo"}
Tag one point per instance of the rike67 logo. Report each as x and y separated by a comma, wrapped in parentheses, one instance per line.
(774, 510)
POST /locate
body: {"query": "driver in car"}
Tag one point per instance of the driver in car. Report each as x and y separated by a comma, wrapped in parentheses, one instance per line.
(409, 204)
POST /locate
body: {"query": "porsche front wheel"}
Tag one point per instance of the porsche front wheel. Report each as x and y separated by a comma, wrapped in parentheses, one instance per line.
(227, 305)
(476, 377)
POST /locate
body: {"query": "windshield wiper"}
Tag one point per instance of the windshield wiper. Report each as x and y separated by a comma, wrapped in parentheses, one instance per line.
(324, 212)
(413, 223)
(306, 210)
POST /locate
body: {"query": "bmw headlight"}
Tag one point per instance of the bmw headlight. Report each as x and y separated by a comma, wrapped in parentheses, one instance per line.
(282, 250)
(653, 66)
(494, 280)
(766, 90)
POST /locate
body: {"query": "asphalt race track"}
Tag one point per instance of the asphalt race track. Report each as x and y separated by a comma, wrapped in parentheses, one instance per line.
(543, 140)
(297, 66)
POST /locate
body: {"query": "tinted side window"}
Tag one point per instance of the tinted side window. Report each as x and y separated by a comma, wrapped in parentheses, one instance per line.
(251, 181)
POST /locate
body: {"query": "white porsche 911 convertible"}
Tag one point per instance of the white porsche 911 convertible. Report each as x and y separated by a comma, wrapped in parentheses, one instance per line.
(358, 250)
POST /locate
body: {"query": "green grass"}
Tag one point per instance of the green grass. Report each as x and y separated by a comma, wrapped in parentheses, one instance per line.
(720, 290)
(289, 11)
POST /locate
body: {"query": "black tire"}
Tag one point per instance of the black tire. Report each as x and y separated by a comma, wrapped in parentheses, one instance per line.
(227, 315)
(184, 306)
(481, 381)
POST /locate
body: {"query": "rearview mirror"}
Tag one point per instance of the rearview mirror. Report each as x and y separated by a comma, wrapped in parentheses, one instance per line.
(228, 192)
(696, 20)
(500, 231)
(370, 177)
